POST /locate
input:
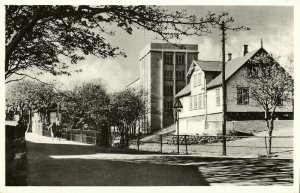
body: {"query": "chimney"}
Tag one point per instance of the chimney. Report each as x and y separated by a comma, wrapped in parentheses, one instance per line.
(245, 49)
(229, 56)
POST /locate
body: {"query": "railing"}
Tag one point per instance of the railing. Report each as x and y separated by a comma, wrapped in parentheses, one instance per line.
(82, 136)
(254, 146)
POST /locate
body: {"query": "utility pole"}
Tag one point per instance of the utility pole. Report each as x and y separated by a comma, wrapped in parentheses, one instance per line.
(224, 94)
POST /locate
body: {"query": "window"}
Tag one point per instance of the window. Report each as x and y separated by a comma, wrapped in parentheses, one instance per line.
(203, 100)
(199, 79)
(279, 101)
(168, 90)
(168, 108)
(168, 58)
(195, 102)
(168, 104)
(180, 75)
(218, 99)
(200, 101)
(242, 96)
(168, 75)
(195, 80)
(191, 103)
(179, 88)
(180, 59)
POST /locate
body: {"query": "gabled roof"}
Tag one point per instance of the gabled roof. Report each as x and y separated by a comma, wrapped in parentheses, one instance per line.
(231, 67)
(185, 91)
(211, 66)
(215, 66)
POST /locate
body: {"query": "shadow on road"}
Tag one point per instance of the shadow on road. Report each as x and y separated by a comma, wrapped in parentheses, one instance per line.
(238, 171)
(71, 164)
(47, 167)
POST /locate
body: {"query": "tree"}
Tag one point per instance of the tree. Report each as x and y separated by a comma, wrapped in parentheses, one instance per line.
(40, 38)
(87, 104)
(28, 96)
(270, 86)
(127, 109)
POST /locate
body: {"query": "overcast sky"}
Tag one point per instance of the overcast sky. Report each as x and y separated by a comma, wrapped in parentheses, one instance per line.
(273, 24)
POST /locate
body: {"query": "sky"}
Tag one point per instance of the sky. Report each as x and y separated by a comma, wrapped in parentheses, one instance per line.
(272, 24)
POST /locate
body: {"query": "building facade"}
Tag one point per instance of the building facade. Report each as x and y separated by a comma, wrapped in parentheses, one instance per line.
(162, 74)
(202, 98)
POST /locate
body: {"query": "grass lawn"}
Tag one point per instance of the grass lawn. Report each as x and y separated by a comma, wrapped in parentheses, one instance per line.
(249, 147)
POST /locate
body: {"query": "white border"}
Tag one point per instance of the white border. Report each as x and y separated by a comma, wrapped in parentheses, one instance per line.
(230, 189)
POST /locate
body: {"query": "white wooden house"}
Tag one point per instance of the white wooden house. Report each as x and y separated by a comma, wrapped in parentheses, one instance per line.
(202, 97)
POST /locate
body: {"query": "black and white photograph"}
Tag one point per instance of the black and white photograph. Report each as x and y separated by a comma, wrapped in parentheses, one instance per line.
(162, 95)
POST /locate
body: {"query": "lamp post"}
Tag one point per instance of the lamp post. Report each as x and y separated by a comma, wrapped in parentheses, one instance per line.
(177, 106)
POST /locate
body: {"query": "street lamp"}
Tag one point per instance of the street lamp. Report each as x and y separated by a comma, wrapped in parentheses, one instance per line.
(177, 106)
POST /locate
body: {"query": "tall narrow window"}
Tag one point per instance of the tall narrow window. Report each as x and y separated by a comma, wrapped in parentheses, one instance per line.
(218, 99)
(199, 79)
(203, 100)
(200, 101)
(180, 58)
(195, 102)
(191, 103)
(242, 95)
(195, 80)
(168, 75)
(279, 101)
(179, 74)
(168, 58)
(168, 90)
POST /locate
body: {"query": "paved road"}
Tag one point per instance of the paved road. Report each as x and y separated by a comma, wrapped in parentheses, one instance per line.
(70, 163)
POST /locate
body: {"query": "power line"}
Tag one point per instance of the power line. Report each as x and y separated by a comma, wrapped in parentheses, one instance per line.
(234, 49)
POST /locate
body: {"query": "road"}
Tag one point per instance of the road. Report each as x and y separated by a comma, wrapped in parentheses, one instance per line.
(65, 163)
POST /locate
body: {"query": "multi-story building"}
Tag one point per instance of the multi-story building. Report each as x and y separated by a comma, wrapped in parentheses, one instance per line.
(162, 74)
(202, 97)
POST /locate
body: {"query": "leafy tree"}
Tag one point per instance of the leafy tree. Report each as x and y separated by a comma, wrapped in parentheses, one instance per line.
(87, 104)
(127, 110)
(40, 38)
(29, 96)
(270, 86)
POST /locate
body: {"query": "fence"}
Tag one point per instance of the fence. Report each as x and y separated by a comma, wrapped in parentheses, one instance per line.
(82, 136)
(282, 146)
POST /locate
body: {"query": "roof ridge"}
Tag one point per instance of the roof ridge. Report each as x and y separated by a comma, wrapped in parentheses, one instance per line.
(244, 55)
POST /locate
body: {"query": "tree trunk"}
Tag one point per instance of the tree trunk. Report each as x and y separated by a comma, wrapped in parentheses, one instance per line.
(127, 137)
(29, 129)
(271, 126)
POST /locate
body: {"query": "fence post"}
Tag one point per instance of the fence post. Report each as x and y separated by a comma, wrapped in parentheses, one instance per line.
(186, 148)
(178, 144)
(81, 138)
(161, 143)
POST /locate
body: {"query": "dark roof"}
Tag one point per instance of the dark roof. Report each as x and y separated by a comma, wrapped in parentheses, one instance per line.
(231, 67)
(209, 65)
(185, 91)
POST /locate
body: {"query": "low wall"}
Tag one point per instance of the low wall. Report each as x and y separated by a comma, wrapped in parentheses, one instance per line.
(194, 126)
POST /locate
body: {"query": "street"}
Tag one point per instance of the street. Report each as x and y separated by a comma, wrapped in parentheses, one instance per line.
(65, 163)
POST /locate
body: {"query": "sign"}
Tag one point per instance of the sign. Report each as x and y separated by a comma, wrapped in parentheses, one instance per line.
(177, 105)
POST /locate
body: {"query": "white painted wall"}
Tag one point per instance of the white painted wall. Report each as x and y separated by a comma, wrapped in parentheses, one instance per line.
(213, 126)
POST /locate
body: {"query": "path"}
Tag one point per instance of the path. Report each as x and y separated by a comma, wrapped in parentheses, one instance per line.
(69, 163)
